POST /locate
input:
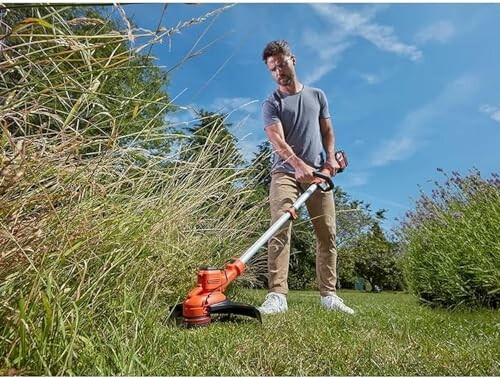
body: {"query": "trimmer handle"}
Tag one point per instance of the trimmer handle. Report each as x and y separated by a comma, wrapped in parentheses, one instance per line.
(341, 158)
(327, 179)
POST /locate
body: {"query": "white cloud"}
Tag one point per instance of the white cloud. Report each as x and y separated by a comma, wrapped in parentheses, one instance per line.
(441, 31)
(371, 78)
(382, 201)
(492, 111)
(345, 26)
(410, 134)
(383, 37)
(318, 73)
(248, 147)
(243, 113)
(355, 179)
(226, 105)
(398, 148)
(239, 108)
(181, 118)
(487, 109)
(359, 142)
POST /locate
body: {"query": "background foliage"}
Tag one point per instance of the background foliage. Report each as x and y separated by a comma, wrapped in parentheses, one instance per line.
(451, 241)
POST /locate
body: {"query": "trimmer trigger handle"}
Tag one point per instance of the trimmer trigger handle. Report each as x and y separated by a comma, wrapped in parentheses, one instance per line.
(327, 179)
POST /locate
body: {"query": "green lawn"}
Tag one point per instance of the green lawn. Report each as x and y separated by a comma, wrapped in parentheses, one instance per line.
(390, 334)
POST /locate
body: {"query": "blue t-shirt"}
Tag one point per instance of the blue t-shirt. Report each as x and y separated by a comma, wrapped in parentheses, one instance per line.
(299, 115)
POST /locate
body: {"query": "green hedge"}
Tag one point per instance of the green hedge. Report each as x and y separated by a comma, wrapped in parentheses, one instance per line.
(452, 243)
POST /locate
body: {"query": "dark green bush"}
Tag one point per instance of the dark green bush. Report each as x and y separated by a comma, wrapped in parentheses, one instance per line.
(452, 243)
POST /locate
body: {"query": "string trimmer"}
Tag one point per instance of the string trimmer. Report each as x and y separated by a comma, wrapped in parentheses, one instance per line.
(208, 296)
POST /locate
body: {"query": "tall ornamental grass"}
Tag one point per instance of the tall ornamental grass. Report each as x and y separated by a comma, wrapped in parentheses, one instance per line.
(452, 243)
(98, 235)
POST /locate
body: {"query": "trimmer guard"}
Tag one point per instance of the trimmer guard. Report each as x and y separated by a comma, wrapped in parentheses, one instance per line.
(176, 312)
(230, 307)
(224, 307)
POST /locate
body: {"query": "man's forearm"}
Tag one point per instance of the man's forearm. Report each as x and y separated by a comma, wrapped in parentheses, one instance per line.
(329, 145)
(287, 154)
(328, 139)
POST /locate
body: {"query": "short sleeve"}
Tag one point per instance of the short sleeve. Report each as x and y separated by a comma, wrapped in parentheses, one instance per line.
(324, 112)
(270, 113)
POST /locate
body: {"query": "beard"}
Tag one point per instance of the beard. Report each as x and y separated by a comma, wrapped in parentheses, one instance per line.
(284, 80)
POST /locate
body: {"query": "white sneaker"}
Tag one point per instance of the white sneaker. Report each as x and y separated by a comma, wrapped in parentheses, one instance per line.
(274, 303)
(335, 303)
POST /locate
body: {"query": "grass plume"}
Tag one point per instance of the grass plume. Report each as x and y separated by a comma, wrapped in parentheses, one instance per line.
(98, 234)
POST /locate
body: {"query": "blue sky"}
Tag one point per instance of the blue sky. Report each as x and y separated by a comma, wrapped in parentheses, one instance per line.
(411, 87)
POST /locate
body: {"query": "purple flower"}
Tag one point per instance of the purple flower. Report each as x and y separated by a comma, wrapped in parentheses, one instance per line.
(446, 200)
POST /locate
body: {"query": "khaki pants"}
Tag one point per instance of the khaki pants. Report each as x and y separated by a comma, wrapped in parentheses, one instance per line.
(321, 207)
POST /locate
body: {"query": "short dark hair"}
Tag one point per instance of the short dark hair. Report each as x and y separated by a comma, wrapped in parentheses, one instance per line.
(276, 47)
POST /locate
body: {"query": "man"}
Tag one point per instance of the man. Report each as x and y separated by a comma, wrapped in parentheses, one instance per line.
(297, 123)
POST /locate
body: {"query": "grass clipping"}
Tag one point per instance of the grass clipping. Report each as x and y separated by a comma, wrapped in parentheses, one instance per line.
(94, 227)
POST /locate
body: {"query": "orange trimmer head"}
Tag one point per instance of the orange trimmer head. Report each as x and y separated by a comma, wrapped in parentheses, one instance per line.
(208, 298)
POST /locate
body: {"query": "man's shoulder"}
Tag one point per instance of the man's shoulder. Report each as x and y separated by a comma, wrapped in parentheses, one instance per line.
(274, 95)
(315, 94)
(272, 99)
(313, 90)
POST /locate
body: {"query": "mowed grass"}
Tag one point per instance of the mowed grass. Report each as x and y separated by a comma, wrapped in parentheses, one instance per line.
(389, 334)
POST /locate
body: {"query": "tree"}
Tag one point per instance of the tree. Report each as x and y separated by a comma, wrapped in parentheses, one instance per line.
(261, 165)
(353, 221)
(353, 218)
(376, 259)
(259, 176)
(95, 87)
(211, 143)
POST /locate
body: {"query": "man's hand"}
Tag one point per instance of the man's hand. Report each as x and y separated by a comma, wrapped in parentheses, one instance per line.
(304, 173)
(332, 166)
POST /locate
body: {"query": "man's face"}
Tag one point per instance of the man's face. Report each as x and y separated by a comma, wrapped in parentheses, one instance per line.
(281, 68)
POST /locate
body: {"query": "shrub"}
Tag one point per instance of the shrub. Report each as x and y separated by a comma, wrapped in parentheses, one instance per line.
(451, 241)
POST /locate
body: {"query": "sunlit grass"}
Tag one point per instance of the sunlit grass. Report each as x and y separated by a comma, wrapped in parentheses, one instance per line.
(390, 334)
